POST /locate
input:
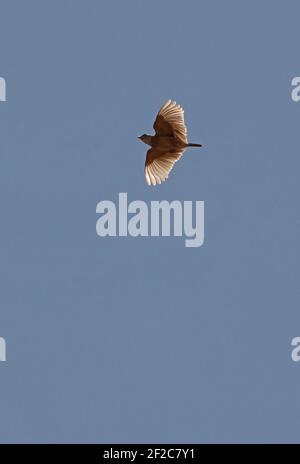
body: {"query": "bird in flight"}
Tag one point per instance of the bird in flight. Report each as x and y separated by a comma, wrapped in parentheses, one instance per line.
(167, 145)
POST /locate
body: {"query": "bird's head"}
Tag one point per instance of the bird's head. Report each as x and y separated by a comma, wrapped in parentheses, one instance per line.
(145, 138)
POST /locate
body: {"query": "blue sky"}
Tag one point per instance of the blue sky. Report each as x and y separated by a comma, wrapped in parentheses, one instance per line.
(140, 339)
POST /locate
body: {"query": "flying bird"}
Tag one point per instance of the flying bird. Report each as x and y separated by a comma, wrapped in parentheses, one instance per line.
(167, 145)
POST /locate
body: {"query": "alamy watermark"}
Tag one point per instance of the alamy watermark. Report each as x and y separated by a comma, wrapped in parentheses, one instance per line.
(160, 218)
(295, 354)
(2, 89)
(2, 99)
(2, 349)
(295, 94)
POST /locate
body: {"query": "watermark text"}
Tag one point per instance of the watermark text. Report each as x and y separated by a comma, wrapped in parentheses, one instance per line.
(295, 89)
(2, 349)
(160, 218)
(2, 89)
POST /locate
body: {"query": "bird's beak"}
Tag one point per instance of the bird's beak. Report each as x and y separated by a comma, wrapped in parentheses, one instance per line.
(140, 137)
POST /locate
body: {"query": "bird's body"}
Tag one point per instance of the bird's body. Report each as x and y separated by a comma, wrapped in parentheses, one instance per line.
(164, 142)
(167, 145)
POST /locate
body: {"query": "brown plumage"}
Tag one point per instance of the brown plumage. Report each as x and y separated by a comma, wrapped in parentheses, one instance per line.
(167, 145)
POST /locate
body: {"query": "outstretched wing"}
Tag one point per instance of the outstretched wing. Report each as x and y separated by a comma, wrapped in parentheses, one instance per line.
(159, 165)
(170, 121)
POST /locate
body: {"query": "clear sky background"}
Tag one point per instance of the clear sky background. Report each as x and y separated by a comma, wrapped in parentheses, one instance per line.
(143, 340)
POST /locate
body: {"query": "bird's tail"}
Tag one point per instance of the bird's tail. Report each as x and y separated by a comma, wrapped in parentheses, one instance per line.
(194, 145)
